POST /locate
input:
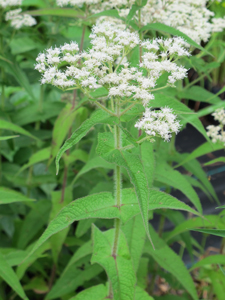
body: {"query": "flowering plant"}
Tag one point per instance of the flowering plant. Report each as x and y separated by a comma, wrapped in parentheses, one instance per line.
(106, 100)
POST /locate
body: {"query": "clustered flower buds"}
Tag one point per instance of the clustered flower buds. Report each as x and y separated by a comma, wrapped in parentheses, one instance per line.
(160, 123)
(191, 17)
(5, 3)
(216, 133)
(19, 20)
(105, 64)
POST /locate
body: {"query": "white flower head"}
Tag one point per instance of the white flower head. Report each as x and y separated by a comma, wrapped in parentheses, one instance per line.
(5, 3)
(19, 20)
(159, 123)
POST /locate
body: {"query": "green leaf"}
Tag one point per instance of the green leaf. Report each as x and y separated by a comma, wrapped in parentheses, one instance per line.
(173, 31)
(37, 157)
(19, 75)
(84, 250)
(61, 128)
(28, 261)
(22, 44)
(140, 294)
(211, 221)
(77, 154)
(33, 222)
(9, 276)
(134, 9)
(195, 168)
(14, 257)
(102, 205)
(98, 117)
(73, 277)
(209, 260)
(142, 273)
(132, 163)
(217, 232)
(207, 111)
(96, 205)
(222, 270)
(175, 179)
(32, 113)
(219, 159)
(198, 93)
(10, 126)
(218, 283)
(96, 162)
(135, 234)
(9, 196)
(59, 199)
(148, 160)
(171, 262)
(99, 292)
(3, 138)
(119, 269)
(205, 148)
(83, 226)
(60, 12)
(106, 13)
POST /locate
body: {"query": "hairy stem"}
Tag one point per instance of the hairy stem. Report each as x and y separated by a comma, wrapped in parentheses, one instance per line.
(118, 188)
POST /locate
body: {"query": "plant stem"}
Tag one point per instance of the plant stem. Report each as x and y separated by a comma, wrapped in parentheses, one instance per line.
(118, 188)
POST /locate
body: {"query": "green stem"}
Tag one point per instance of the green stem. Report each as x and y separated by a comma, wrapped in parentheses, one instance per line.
(118, 188)
(105, 109)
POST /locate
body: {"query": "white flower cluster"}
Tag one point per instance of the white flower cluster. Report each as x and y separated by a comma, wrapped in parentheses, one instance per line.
(78, 3)
(217, 133)
(159, 123)
(5, 3)
(166, 50)
(105, 64)
(19, 20)
(189, 16)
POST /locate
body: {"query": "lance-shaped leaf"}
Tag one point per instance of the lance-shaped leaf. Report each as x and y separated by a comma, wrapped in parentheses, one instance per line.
(96, 162)
(4, 138)
(141, 294)
(9, 276)
(133, 164)
(175, 179)
(10, 196)
(216, 160)
(99, 292)
(98, 117)
(148, 160)
(217, 232)
(103, 206)
(61, 128)
(59, 200)
(119, 269)
(205, 148)
(10, 126)
(60, 12)
(74, 277)
(135, 234)
(171, 262)
(210, 221)
(209, 260)
(33, 222)
(37, 157)
(134, 10)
